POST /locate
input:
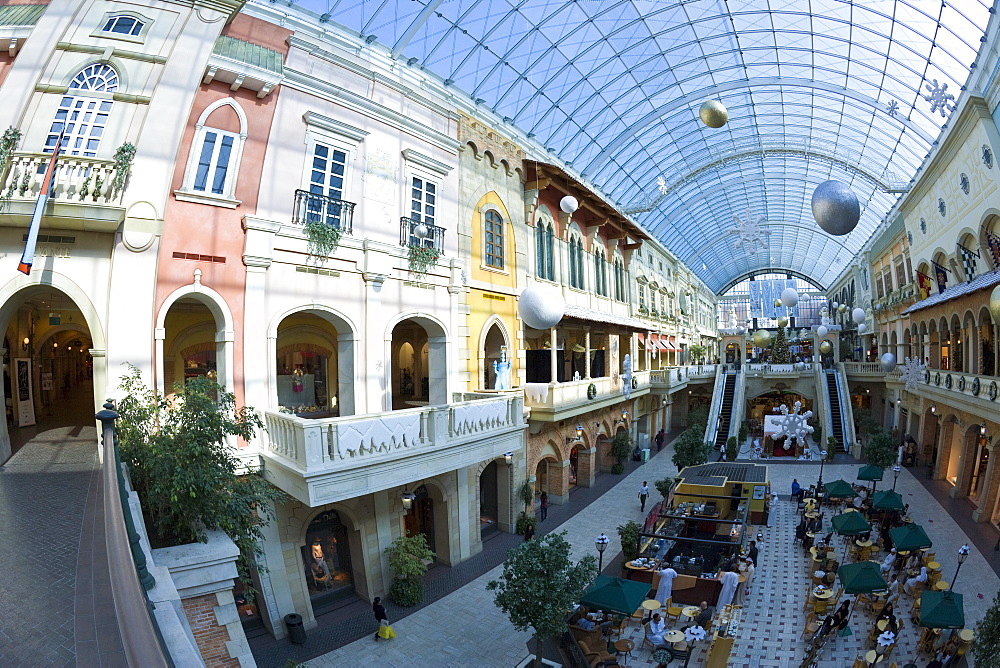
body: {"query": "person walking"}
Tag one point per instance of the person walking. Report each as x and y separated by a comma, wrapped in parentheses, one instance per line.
(643, 495)
(543, 505)
(660, 435)
(379, 611)
(796, 490)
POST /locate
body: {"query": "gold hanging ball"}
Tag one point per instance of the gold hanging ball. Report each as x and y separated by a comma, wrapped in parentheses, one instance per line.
(777, 302)
(761, 338)
(826, 347)
(842, 308)
(713, 114)
(782, 321)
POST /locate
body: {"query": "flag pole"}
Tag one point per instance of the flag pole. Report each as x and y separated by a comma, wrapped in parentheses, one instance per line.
(28, 256)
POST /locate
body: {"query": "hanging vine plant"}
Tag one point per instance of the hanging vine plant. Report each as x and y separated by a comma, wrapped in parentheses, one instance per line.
(422, 258)
(124, 155)
(8, 144)
(323, 238)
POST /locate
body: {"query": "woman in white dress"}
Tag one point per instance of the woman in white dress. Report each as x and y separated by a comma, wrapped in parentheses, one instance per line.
(666, 586)
(730, 581)
(889, 560)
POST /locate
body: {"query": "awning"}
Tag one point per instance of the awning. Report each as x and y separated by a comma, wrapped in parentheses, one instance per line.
(600, 316)
(642, 340)
(672, 345)
(657, 342)
(980, 282)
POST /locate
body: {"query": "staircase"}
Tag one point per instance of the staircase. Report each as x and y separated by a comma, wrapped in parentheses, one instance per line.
(836, 415)
(726, 410)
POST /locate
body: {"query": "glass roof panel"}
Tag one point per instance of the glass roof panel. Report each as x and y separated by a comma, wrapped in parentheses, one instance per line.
(818, 90)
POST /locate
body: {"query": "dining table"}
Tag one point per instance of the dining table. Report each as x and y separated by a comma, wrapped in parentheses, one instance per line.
(691, 611)
(651, 605)
(673, 636)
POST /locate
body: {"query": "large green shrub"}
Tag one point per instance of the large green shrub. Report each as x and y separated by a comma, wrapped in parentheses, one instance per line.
(621, 448)
(663, 486)
(986, 643)
(880, 450)
(690, 449)
(408, 557)
(629, 535)
(732, 449)
(187, 477)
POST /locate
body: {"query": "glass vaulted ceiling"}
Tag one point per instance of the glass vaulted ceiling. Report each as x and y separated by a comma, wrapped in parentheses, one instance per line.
(816, 90)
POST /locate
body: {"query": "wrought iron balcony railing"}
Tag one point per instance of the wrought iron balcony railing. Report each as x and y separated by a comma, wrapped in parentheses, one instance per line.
(313, 208)
(416, 233)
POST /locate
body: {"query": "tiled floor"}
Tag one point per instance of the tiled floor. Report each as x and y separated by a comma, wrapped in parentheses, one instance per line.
(466, 629)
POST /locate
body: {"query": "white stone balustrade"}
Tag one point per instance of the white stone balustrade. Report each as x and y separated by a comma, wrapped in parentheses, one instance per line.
(559, 396)
(76, 179)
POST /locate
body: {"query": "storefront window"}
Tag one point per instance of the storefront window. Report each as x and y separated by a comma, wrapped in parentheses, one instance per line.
(327, 558)
(302, 385)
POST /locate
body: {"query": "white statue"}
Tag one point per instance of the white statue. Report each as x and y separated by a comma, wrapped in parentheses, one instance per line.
(501, 370)
(627, 376)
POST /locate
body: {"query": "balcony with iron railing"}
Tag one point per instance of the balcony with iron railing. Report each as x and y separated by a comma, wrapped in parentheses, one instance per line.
(83, 194)
(413, 232)
(313, 208)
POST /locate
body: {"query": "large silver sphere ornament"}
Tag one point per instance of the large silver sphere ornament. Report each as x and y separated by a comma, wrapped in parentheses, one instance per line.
(421, 231)
(821, 331)
(782, 321)
(713, 114)
(569, 204)
(826, 347)
(862, 328)
(835, 207)
(858, 316)
(761, 338)
(995, 304)
(887, 362)
(842, 308)
(789, 297)
(541, 306)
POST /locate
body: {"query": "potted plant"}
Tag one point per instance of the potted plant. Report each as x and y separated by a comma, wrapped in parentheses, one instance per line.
(527, 495)
(408, 559)
(621, 448)
(732, 449)
(629, 535)
(663, 486)
(421, 258)
(8, 144)
(324, 238)
(123, 157)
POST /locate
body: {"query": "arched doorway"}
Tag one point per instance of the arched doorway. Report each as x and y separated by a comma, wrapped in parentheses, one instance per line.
(420, 518)
(496, 361)
(732, 353)
(326, 557)
(418, 364)
(190, 346)
(574, 462)
(48, 367)
(306, 366)
(489, 499)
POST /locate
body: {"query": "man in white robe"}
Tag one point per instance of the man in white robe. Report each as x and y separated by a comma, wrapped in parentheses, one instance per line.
(665, 588)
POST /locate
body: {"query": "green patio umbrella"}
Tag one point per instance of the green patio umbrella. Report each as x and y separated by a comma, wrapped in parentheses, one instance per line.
(942, 610)
(887, 500)
(870, 473)
(850, 524)
(863, 577)
(839, 489)
(909, 537)
(615, 595)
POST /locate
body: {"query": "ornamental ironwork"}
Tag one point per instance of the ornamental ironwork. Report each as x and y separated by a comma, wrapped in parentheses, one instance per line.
(961, 384)
(947, 381)
(975, 387)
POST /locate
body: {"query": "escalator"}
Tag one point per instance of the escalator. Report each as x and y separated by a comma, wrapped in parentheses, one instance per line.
(726, 410)
(836, 412)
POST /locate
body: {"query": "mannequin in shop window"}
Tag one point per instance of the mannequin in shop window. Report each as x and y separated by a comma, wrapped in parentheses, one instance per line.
(318, 569)
(501, 371)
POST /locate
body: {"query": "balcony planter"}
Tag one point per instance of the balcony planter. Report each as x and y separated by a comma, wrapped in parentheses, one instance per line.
(323, 238)
(421, 258)
(124, 155)
(8, 144)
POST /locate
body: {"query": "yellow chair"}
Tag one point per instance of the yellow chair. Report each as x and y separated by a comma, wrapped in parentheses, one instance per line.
(671, 611)
(619, 628)
(811, 627)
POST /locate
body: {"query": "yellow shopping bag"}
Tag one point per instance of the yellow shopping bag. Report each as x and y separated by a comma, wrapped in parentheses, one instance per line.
(385, 631)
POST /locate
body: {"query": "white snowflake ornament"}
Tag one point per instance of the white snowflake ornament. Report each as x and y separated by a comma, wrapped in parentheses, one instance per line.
(793, 424)
(912, 373)
(750, 231)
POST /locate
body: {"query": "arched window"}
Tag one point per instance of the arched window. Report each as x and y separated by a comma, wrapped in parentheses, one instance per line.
(619, 279)
(543, 250)
(81, 116)
(576, 262)
(493, 234)
(123, 24)
(214, 160)
(600, 273)
(642, 297)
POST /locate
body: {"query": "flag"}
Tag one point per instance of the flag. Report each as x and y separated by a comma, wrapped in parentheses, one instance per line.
(941, 275)
(924, 281)
(28, 256)
(968, 261)
(993, 241)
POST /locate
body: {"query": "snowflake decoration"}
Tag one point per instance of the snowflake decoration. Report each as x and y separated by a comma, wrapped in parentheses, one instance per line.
(661, 184)
(941, 100)
(912, 373)
(793, 424)
(892, 108)
(750, 231)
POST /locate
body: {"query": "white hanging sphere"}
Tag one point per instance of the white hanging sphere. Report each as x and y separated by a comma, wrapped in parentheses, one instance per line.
(835, 305)
(541, 306)
(835, 207)
(789, 297)
(862, 328)
(858, 315)
(761, 338)
(421, 231)
(569, 204)
(821, 331)
(887, 362)
(741, 329)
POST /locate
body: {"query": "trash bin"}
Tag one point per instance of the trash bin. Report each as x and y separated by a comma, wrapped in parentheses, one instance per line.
(645, 455)
(296, 631)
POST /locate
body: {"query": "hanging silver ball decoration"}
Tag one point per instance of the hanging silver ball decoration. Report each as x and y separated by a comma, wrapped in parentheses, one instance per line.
(569, 204)
(421, 231)
(782, 321)
(713, 114)
(887, 362)
(835, 207)
(741, 329)
(862, 328)
(777, 303)
(540, 306)
(995, 304)
(842, 308)
(789, 297)
(821, 331)
(858, 315)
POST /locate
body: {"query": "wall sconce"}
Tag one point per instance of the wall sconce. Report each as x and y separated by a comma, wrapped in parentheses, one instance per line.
(579, 435)
(55, 344)
(25, 343)
(623, 418)
(933, 410)
(663, 401)
(508, 457)
(982, 433)
(407, 498)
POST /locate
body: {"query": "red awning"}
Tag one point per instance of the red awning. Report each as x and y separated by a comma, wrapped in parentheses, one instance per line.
(642, 340)
(657, 344)
(672, 345)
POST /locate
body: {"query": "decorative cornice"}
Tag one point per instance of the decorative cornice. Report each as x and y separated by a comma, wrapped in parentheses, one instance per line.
(336, 127)
(418, 158)
(115, 53)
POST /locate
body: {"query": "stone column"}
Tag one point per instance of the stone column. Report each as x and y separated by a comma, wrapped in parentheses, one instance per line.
(586, 343)
(586, 465)
(558, 476)
(553, 359)
(988, 497)
(375, 375)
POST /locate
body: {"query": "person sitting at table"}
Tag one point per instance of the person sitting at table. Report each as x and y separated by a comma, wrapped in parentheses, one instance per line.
(910, 587)
(704, 617)
(887, 563)
(842, 614)
(914, 561)
(893, 587)
(654, 630)
(829, 578)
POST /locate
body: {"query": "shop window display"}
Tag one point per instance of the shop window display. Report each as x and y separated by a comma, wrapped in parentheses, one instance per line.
(302, 385)
(326, 557)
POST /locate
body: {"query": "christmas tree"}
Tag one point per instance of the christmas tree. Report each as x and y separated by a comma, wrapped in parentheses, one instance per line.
(779, 348)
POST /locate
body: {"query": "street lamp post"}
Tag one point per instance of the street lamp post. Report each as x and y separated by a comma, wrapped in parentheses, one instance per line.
(601, 543)
(963, 554)
(822, 461)
(895, 474)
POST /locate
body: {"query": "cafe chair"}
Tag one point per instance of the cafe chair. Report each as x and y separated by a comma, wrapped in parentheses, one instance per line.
(928, 557)
(639, 614)
(617, 629)
(672, 612)
(820, 607)
(860, 663)
(811, 627)
(595, 656)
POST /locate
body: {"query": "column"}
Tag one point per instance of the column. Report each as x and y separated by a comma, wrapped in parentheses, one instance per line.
(376, 377)
(259, 352)
(274, 579)
(586, 465)
(553, 359)
(558, 482)
(586, 344)
(988, 498)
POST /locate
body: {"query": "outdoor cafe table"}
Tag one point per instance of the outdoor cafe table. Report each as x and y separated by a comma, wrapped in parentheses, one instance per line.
(625, 646)
(863, 543)
(823, 595)
(673, 636)
(941, 585)
(691, 611)
(873, 657)
(650, 605)
(933, 566)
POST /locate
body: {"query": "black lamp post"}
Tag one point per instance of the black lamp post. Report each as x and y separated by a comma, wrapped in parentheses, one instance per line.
(601, 543)
(895, 474)
(963, 554)
(822, 461)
